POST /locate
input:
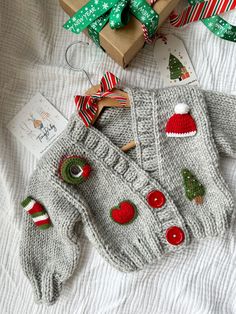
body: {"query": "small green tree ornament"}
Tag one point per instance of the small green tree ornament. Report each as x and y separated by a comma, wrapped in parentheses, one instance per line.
(194, 190)
(175, 67)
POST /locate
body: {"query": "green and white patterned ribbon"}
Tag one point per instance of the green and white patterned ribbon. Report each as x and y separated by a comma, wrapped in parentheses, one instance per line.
(218, 26)
(221, 28)
(208, 13)
(119, 16)
(95, 27)
(145, 14)
(96, 13)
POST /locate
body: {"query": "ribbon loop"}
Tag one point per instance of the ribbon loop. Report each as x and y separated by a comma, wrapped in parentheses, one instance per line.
(120, 14)
(87, 106)
(95, 14)
(108, 82)
(207, 12)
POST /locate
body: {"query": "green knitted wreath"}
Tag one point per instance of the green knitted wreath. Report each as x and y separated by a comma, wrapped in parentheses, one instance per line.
(74, 170)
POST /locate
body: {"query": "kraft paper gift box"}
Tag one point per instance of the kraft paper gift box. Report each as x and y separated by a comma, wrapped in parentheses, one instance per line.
(123, 44)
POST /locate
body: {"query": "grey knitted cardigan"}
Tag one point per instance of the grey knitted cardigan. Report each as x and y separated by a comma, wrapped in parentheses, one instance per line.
(49, 257)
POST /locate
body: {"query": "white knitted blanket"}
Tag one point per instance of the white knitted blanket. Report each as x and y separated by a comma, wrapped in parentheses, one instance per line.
(200, 279)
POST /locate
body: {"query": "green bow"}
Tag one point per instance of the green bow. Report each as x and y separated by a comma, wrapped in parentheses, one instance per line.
(96, 13)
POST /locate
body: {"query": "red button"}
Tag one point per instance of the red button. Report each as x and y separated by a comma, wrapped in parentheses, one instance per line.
(175, 235)
(156, 199)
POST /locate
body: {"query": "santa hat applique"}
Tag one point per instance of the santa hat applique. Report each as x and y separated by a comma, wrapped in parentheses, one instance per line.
(181, 124)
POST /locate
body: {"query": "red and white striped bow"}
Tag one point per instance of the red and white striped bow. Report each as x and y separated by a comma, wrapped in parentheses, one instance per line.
(87, 106)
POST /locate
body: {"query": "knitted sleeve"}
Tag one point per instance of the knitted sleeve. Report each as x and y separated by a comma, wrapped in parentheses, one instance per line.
(49, 249)
(222, 112)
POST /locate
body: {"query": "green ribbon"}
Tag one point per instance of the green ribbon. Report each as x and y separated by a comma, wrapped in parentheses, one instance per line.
(95, 27)
(218, 26)
(96, 14)
(221, 28)
(119, 15)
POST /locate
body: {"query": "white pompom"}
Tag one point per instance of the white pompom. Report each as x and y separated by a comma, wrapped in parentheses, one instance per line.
(181, 108)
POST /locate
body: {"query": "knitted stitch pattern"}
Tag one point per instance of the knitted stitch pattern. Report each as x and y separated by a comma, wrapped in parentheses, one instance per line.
(49, 257)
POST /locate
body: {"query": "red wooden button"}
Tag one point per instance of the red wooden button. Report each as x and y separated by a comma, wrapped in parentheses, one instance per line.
(175, 235)
(156, 199)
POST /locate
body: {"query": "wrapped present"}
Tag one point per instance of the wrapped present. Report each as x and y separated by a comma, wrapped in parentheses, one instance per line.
(120, 36)
(184, 73)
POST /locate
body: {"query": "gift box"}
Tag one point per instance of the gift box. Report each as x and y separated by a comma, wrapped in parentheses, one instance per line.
(124, 43)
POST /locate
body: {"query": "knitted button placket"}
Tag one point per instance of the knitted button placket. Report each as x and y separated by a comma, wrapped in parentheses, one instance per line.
(156, 199)
(175, 235)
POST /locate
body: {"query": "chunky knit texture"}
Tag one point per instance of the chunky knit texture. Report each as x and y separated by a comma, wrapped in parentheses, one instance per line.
(49, 257)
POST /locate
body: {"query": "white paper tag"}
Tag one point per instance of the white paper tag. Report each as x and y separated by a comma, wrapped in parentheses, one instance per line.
(173, 62)
(37, 125)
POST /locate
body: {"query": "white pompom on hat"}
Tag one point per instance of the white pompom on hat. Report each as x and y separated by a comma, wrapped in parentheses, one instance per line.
(181, 123)
(181, 108)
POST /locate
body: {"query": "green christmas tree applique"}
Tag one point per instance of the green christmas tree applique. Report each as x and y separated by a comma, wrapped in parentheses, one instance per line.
(177, 69)
(194, 190)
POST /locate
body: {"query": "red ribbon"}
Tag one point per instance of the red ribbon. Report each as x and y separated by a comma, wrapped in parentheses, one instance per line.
(87, 106)
(201, 10)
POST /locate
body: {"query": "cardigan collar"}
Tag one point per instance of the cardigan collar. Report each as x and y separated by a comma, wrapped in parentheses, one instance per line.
(143, 125)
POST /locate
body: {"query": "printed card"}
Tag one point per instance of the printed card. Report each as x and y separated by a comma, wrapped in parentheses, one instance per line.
(173, 61)
(37, 125)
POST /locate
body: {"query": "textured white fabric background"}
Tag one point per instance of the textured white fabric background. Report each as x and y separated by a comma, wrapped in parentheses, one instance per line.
(201, 279)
